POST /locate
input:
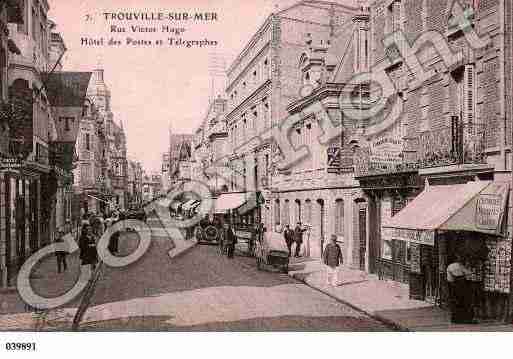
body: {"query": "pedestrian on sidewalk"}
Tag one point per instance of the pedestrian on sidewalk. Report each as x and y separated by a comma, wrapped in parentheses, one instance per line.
(298, 238)
(460, 300)
(231, 240)
(61, 253)
(288, 234)
(332, 258)
(87, 244)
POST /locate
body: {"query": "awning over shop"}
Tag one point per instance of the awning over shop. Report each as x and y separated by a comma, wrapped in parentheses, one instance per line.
(98, 199)
(475, 206)
(228, 201)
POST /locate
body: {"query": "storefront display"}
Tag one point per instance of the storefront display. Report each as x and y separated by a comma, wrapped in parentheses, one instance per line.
(497, 267)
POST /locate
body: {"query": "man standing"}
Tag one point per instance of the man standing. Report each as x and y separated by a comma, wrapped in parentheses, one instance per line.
(61, 253)
(332, 258)
(298, 238)
(231, 240)
(288, 234)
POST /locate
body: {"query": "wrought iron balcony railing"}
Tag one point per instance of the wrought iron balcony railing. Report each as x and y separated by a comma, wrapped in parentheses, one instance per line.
(455, 145)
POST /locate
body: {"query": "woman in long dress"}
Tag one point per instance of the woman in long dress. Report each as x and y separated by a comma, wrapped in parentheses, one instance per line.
(87, 244)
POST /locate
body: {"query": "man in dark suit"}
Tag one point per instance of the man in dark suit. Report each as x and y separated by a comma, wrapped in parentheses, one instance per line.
(288, 234)
(298, 238)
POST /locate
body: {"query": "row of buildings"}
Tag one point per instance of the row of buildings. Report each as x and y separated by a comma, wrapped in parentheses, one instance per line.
(61, 152)
(404, 188)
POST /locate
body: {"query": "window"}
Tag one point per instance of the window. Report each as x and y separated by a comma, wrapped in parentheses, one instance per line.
(23, 28)
(277, 215)
(67, 121)
(387, 250)
(286, 213)
(88, 142)
(339, 217)
(34, 24)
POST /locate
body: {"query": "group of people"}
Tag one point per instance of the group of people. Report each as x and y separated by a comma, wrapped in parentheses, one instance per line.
(91, 230)
(294, 236)
(331, 254)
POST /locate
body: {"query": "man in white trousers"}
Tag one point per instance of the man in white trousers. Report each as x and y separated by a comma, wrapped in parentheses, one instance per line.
(332, 258)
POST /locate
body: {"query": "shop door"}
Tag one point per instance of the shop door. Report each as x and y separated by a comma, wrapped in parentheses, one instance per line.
(8, 209)
(33, 216)
(430, 270)
(20, 229)
(362, 225)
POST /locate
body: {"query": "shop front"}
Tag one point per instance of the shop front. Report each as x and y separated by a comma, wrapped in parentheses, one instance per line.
(465, 220)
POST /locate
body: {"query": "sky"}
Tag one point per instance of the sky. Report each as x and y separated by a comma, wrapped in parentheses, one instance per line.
(154, 88)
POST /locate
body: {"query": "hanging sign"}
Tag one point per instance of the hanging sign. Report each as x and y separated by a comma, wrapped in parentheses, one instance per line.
(10, 163)
(410, 235)
(490, 207)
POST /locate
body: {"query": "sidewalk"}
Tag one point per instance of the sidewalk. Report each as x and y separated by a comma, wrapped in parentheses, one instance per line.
(14, 315)
(384, 300)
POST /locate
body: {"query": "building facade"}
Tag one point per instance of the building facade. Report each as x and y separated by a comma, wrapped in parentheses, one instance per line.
(102, 171)
(152, 187)
(454, 133)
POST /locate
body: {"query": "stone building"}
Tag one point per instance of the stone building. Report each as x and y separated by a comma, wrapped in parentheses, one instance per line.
(151, 187)
(101, 174)
(429, 173)
(210, 146)
(135, 183)
(180, 156)
(10, 12)
(262, 81)
(320, 190)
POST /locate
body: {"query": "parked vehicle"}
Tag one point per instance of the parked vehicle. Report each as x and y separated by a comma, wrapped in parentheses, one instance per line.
(271, 250)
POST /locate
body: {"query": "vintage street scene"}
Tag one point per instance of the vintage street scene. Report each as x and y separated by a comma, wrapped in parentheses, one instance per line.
(233, 166)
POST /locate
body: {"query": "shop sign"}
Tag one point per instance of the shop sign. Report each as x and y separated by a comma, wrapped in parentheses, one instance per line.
(410, 235)
(490, 207)
(10, 163)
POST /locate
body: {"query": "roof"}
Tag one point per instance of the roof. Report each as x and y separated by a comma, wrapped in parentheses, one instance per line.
(67, 89)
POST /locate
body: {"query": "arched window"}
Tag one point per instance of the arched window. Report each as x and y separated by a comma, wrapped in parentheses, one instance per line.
(297, 211)
(339, 217)
(286, 213)
(277, 212)
(308, 212)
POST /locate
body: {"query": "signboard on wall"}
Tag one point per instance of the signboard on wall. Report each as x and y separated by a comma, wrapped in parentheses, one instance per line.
(10, 163)
(490, 207)
(410, 235)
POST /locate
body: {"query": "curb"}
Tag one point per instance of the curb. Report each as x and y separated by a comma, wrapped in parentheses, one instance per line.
(379, 318)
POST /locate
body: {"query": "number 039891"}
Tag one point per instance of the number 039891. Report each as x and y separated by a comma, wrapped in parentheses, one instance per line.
(20, 347)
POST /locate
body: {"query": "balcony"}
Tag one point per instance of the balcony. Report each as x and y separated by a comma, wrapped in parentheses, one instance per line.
(460, 144)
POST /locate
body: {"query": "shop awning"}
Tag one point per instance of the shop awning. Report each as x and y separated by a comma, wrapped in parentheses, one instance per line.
(475, 206)
(228, 201)
(98, 199)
